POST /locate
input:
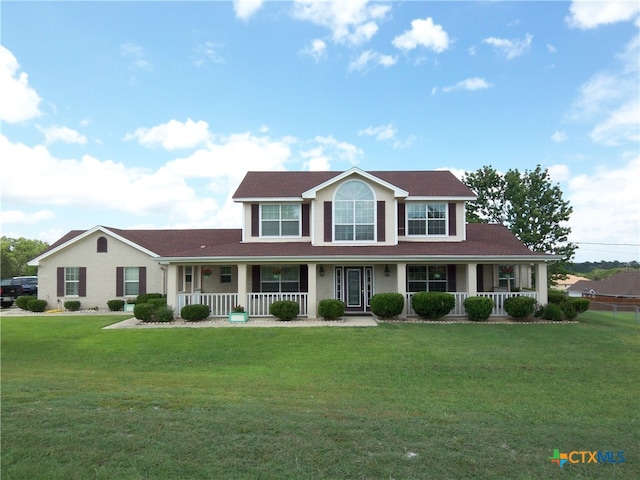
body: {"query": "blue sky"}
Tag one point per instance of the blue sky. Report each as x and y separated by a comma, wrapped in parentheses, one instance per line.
(148, 114)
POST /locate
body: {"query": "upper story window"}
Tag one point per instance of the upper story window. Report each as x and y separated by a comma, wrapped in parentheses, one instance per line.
(354, 212)
(102, 245)
(280, 220)
(426, 218)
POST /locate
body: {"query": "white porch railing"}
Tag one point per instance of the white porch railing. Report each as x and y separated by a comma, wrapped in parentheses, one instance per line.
(258, 303)
(499, 298)
(220, 304)
(458, 311)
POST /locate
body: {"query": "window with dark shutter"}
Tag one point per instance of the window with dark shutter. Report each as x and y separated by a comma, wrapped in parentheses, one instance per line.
(255, 220)
(401, 215)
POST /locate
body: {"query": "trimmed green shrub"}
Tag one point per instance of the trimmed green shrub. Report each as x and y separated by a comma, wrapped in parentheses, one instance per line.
(284, 309)
(478, 308)
(115, 305)
(195, 312)
(553, 312)
(164, 313)
(36, 305)
(331, 308)
(157, 302)
(387, 305)
(72, 305)
(433, 305)
(23, 301)
(145, 297)
(568, 309)
(556, 296)
(144, 311)
(580, 304)
(519, 307)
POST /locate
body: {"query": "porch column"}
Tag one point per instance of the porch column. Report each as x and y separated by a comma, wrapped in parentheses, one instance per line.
(472, 279)
(242, 285)
(172, 285)
(312, 307)
(401, 285)
(541, 283)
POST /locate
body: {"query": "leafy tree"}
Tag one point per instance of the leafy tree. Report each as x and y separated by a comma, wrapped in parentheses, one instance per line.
(16, 252)
(528, 204)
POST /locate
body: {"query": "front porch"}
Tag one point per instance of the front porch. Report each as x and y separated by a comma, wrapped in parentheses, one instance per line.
(257, 304)
(256, 286)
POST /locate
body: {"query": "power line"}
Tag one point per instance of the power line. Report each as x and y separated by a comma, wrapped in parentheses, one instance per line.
(614, 244)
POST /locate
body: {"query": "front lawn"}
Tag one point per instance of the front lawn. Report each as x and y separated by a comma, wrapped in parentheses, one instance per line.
(398, 401)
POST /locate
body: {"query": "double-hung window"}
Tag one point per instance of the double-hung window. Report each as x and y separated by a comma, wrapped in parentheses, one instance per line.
(426, 278)
(280, 220)
(427, 218)
(354, 212)
(131, 280)
(71, 281)
(280, 279)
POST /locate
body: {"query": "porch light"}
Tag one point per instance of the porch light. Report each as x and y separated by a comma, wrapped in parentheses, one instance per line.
(321, 272)
(386, 271)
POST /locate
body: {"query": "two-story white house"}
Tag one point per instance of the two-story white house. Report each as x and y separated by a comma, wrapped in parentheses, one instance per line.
(306, 236)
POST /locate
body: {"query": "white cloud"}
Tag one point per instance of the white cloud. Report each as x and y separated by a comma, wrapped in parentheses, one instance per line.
(621, 126)
(316, 50)
(351, 22)
(551, 48)
(173, 135)
(246, 8)
(588, 14)
(207, 52)
(423, 33)
(18, 101)
(62, 134)
(609, 100)
(369, 58)
(24, 218)
(606, 193)
(473, 83)
(136, 55)
(559, 136)
(326, 149)
(510, 48)
(382, 132)
(559, 173)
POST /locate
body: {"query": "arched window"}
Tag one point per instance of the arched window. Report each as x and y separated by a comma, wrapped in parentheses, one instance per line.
(102, 245)
(354, 212)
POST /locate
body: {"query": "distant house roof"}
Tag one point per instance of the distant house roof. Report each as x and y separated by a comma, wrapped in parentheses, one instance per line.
(623, 284)
(287, 184)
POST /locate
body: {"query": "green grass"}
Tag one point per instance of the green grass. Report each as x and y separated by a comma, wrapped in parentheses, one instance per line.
(400, 401)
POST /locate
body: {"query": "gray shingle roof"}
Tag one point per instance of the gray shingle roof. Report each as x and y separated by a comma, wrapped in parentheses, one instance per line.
(623, 284)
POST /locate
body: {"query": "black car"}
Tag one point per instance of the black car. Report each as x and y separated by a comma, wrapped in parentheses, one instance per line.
(29, 284)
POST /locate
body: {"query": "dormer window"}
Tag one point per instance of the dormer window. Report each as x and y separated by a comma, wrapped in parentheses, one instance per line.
(280, 220)
(354, 212)
(426, 219)
(101, 246)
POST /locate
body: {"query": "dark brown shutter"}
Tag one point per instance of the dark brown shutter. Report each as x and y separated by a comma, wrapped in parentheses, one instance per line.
(119, 281)
(255, 278)
(381, 221)
(142, 280)
(480, 277)
(328, 222)
(304, 278)
(305, 219)
(401, 215)
(452, 219)
(82, 285)
(60, 281)
(255, 220)
(451, 278)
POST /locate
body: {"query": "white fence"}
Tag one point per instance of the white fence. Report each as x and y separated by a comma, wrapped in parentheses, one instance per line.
(458, 311)
(220, 304)
(258, 303)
